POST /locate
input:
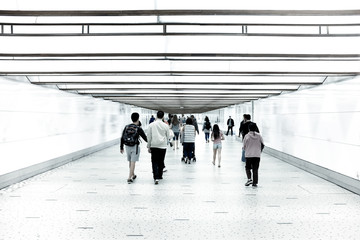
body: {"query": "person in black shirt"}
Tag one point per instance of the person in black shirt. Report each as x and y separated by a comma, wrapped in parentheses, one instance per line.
(242, 126)
(230, 123)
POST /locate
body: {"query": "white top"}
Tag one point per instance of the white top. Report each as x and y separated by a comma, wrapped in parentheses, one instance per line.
(158, 134)
(252, 144)
(189, 133)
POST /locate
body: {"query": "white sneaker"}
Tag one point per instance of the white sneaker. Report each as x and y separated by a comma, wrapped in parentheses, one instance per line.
(248, 182)
(164, 170)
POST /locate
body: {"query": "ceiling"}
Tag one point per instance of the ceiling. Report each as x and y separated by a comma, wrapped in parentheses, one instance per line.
(180, 61)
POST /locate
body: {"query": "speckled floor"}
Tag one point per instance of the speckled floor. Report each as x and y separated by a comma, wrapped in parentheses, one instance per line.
(90, 199)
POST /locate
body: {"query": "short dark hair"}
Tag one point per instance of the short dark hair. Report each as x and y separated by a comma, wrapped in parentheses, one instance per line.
(247, 116)
(252, 127)
(135, 116)
(160, 114)
(189, 121)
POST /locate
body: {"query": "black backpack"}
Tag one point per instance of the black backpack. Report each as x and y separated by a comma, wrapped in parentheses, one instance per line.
(207, 125)
(131, 135)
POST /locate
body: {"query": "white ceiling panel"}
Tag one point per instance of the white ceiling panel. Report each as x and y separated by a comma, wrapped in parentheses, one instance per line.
(179, 57)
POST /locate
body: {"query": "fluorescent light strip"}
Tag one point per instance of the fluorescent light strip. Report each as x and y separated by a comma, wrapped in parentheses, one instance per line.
(178, 86)
(151, 95)
(209, 91)
(174, 79)
(175, 98)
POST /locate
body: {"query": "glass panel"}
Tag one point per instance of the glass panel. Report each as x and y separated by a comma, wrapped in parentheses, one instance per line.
(181, 44)
(344, 29)
(203, 29)
(47, 29)
(261, 19)
(126, 29)
(78, 5)
(283, 29)
(98, 19)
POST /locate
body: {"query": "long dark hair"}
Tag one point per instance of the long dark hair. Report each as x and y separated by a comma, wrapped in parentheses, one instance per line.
(175, 120)
(216, 131)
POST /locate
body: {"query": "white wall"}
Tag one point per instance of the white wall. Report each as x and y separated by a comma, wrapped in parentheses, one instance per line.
(38, 123)
(320, 125)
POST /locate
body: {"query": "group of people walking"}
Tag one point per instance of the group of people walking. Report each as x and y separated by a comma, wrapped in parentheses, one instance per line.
(160, 133)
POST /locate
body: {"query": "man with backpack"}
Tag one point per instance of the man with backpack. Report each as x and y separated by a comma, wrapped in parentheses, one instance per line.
(130, 138)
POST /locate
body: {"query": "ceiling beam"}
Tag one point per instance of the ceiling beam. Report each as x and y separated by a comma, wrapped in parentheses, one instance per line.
(201, 55)
(194, 82)
(179, 73)
(185, 12)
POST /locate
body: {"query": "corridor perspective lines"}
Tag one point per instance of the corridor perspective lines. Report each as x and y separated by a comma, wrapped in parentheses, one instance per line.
(90, 199)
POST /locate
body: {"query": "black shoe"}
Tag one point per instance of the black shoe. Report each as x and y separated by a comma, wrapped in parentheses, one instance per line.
(156, 182)
(254, 185)
(248, 183)
(129, 181)
(134, 177)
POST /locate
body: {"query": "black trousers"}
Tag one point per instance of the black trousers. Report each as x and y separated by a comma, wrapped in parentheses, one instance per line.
(229, 128)
(252, 163)
(189, 149)
(157, 160)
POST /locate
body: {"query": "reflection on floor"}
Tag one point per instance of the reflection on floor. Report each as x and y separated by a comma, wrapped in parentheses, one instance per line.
(90, 199)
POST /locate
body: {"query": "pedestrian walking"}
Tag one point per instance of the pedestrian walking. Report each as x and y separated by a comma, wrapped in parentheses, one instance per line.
(230, 123)
(244, 129)
(158, 135)
(188, 133)
(175, 127)
(130, 138)
(217, 136)
(253, 146)
(207, 129)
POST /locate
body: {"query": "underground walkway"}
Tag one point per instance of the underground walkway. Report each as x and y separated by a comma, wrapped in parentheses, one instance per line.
(90, 199)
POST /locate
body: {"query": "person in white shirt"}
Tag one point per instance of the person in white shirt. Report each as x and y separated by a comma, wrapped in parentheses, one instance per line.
(188, 133)
(157, 136)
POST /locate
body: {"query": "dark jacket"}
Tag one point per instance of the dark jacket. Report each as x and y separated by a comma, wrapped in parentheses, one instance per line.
(244, 128)
(141, 134)
(230, 122)
(194, 121)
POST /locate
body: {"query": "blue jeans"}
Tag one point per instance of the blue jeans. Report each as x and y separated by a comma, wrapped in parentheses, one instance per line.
(243, 156)
(207, 136)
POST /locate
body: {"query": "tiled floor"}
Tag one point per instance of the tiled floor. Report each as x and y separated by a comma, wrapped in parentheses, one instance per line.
(90, 199)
